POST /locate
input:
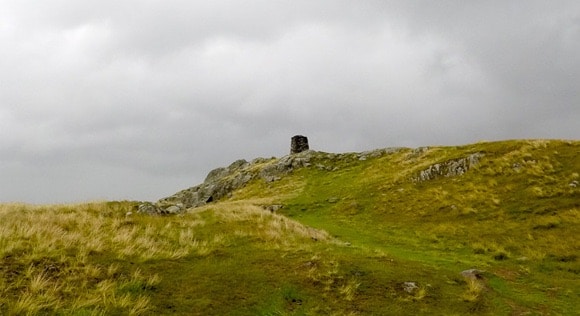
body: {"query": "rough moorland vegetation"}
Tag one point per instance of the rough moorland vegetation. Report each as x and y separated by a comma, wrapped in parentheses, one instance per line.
(488, 228)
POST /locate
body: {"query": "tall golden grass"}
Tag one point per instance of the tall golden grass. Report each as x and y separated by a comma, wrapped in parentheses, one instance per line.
(54, 258)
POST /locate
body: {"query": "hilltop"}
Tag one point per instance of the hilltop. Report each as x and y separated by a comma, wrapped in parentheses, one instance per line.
(496, 162)
(487, 228)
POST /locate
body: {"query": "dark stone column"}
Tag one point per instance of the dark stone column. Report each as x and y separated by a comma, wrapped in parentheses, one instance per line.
(299, 144)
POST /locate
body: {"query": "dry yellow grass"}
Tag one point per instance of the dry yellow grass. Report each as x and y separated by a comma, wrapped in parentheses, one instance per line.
(276, 230)
(51, 251)
(48, 248)
(474, 290)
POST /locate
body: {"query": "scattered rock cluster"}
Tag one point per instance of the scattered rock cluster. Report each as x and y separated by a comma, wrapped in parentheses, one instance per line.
(450, 168)
(410, 287)
(154, 209)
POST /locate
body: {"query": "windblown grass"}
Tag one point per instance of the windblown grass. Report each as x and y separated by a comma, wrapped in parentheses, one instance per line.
(95, 259)
(65, 258)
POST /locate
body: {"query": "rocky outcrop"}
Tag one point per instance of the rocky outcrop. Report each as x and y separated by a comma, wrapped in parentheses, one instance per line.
(218, 183)
(275, 171)
(222, 182)
(450, 168)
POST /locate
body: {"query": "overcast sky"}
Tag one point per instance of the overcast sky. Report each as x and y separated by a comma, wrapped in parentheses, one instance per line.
(117, 99)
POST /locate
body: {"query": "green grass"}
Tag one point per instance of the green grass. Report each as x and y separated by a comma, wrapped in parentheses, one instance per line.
(345, 243)
(515, 215)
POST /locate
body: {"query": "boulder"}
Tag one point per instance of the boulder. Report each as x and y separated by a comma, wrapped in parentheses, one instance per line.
(410, 287)
(148, 208)
(473, 274)
(173, 209)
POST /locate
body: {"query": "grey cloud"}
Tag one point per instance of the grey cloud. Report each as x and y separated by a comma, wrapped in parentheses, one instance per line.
(137, 99)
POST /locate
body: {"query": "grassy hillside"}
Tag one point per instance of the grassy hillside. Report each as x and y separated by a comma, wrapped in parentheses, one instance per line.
(386, 232)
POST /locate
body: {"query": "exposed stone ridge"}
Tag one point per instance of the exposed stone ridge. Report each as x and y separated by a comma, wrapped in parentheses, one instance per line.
(222, 182)
(450, 168)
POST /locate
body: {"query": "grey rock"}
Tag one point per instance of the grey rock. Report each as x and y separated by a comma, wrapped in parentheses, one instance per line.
(241, 179)
(333, 199)
(216, 174)
(274, 208)
(147, 208)
(473, 274)
(268, 178)
(331, 156)
(417, 152)
(219, 183)
(300, 162)
(258, 161)
(574, 184)
(522, 259)
(157, 209)
(275, 170)
(450, 168)
(237, 164)
(392, 150)
(174, 209)
(410, 287)
(379, 152)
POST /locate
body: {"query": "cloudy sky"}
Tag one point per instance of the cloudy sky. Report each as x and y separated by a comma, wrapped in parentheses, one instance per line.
(120, 99)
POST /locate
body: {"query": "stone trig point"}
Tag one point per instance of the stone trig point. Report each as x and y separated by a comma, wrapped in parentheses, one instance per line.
(299, 144)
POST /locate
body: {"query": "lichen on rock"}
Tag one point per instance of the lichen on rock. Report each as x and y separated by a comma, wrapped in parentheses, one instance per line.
(450, 168)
